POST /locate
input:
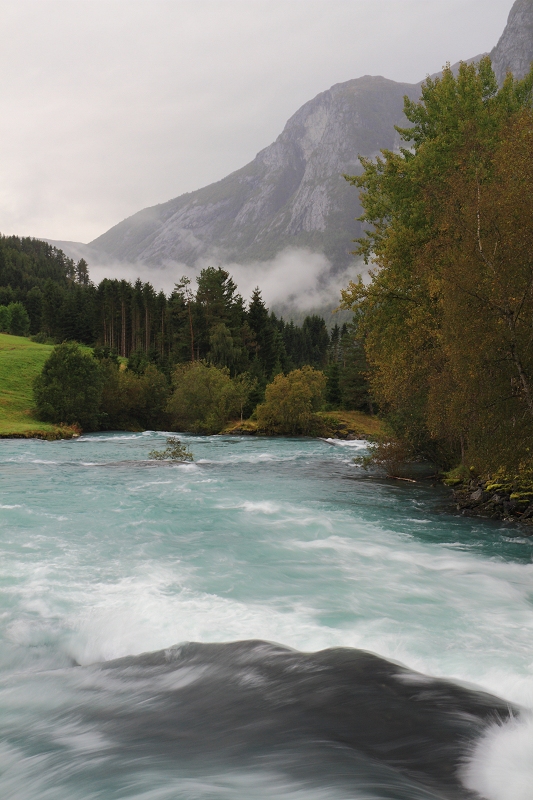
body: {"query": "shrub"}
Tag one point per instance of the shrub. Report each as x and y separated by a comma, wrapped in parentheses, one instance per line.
(69, 387)
(393, 455)
(41, 338)
(19, 321)
(174, 451)
(131, 401)
(205, 397)
(291, 402)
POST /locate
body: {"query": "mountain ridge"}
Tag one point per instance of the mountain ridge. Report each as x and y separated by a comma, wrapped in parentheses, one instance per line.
(292, 194)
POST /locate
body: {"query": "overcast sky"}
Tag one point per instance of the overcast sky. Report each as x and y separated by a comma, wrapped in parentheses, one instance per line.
(109, 106)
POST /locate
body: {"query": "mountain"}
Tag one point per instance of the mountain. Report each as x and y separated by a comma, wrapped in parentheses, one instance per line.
(514, 51)
(293, 193)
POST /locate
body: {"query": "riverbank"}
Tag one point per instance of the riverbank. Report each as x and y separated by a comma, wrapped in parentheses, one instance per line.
(21, 360)
(492, 500)
(349, 425)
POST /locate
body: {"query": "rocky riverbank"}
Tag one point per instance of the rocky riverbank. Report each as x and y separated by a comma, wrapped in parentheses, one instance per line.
(494, 501)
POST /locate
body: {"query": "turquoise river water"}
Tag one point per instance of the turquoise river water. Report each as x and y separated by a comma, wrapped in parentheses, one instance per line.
(106, 554)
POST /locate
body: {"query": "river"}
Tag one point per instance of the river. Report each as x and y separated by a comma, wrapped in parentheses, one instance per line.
(107, 555)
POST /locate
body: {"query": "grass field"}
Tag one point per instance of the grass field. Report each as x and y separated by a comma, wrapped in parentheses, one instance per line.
(21, 360)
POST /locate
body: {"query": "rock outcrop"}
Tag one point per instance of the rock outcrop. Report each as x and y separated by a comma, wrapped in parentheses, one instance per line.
(514, 51)
(501, 501)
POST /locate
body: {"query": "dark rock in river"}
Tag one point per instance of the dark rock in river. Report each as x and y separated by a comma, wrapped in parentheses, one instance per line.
(339, 717)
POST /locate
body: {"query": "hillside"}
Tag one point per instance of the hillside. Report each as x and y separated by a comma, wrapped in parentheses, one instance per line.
(21, 360)
(293, 193)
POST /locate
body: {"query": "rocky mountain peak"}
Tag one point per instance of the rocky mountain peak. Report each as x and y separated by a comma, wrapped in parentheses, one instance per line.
(293, 195)
(514, 51)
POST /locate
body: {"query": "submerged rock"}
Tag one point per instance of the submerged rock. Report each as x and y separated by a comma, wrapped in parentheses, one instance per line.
(341, 714)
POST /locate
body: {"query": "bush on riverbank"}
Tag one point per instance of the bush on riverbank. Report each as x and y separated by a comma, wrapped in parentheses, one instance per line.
(202, 399)
(69, 388)
(205, 397)
(130, 400)
(291, 402)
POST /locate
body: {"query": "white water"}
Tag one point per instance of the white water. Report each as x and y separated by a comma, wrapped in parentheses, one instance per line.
(105, 556)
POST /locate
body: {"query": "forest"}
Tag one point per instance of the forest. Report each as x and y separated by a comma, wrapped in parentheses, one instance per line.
(145, 340)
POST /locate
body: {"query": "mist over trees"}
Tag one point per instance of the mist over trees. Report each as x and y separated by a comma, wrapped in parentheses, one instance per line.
(191, 360)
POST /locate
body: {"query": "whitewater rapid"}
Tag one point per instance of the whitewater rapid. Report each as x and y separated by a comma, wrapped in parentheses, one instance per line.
(107, 555)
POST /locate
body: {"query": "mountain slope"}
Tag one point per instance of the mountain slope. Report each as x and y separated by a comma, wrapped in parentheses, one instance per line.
(291, 194)
(514, 51)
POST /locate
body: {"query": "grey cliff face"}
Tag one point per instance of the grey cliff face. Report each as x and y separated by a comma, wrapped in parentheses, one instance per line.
(291, 194)
(514, 51)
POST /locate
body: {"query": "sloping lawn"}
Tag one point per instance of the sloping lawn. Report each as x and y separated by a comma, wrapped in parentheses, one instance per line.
(21, 360)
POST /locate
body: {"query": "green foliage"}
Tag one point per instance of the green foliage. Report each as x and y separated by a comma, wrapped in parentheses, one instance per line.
(14, 319)
(222, 352)
(21, 361)
(69, 388)
(291, 402)
(457, 476)
(19, 320)
(174, 451)
(27, 263)
(50, 297)
(447, 319)
(205, 397)
(390, 454)
(131, 401)
(138, 361)
(5, 319)
(333, 388)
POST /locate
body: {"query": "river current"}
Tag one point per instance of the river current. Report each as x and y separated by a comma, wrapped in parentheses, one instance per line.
(287, 548)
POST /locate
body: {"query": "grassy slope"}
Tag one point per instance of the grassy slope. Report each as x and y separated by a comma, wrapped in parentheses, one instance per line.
(21, 360)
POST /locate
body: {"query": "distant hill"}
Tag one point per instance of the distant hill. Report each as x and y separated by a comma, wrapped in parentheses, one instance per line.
(293, 193)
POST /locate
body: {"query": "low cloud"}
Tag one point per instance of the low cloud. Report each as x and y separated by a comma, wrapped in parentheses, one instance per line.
(296, 278)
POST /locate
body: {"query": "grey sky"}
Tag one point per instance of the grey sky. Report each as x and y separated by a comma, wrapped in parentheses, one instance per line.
(110, 106)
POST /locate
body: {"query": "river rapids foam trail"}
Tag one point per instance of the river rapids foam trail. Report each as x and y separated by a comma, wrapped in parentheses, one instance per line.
(267, 622)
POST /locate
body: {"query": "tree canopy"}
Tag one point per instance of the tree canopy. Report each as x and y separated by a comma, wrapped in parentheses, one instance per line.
(447, 315)
(69, 388)
(291, 402)
(447, 318)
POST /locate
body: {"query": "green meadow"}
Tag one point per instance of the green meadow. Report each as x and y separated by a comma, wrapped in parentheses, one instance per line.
(21, 360)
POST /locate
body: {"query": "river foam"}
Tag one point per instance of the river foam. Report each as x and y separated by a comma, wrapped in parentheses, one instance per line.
(281, 540)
